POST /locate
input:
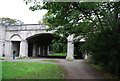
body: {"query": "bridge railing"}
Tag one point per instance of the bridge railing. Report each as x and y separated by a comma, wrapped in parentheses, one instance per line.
(27, 27)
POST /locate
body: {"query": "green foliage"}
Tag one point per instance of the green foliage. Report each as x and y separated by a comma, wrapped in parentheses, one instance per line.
(104, 50)
(9, 21)
(2, 59)
(59, 44)
(97, 22)
(34, 70)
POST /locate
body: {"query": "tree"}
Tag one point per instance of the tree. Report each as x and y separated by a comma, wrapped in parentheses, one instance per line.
(97, 22)
(9, 21)
(83, 17)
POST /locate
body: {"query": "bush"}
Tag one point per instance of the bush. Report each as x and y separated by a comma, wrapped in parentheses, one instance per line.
(104, 48)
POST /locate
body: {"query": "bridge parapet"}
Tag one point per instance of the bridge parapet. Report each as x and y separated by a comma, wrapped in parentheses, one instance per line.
(27, 27)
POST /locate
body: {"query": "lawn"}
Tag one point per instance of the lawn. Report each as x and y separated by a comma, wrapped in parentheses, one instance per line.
(2, 59)
(58, 54)
(31, 70)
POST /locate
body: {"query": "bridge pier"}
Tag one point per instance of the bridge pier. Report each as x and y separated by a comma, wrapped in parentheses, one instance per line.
(34, 50)
(32, 34)
(70, 48)
(2, 40)
(23, 48)
(8, 46)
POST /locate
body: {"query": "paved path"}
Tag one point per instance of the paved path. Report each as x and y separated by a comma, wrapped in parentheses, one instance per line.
(77, 69)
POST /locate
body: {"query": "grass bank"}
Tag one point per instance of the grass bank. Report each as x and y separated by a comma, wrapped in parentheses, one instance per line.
(31, 70)
(58, 54)
(102, 69)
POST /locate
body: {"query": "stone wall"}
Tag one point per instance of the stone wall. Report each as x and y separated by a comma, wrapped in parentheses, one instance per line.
(19, 33)
(2, 39)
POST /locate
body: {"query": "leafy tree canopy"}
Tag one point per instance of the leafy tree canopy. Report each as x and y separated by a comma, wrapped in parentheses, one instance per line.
(9, 21)
(97, 22)
(80, 18)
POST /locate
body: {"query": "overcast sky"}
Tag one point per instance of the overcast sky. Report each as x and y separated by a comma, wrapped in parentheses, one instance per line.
(17, 9)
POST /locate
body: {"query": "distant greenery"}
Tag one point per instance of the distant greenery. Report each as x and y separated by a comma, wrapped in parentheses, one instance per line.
(20, 58)
(2, 59)
(58, 54)
(52, 61)
(59, 44)
(31, 70)
(9, 21)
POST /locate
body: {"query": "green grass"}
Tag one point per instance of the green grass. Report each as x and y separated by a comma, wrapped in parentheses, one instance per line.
(2, 59)
(0, 70)
(20, 58)
(31, 70)
(58, 54)
(102, 69)
(98, 67)
(70, 59)
(51, 61)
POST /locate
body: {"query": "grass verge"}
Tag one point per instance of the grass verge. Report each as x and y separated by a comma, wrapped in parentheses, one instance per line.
(58, 54)
(102, 69)
(20, 58)
(2, 59)
(31, 70)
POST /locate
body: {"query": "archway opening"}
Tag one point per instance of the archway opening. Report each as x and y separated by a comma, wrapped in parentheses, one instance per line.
(16, 47)
(15, 41)
(77, 50)
(38, 45)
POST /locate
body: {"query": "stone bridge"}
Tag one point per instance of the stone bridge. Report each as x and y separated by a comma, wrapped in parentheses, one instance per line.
(28, 40)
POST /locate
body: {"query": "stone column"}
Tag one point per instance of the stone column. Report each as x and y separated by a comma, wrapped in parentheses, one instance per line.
(47, 50)
(23, 48)
(70, 48)
(2, 39)
(39, 50)
(1, 48)
(8, 48)
(34, 50)
(43, 50)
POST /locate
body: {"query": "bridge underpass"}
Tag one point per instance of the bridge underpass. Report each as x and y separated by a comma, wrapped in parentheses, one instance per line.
(32, 36)
(38, 45)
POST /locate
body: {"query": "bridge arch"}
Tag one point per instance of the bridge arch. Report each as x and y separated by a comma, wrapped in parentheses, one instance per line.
(15, 43)
(15, 37)
(38, 44)
(24, 34)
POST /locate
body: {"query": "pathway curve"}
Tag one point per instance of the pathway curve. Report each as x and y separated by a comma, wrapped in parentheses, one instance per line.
(77, 69)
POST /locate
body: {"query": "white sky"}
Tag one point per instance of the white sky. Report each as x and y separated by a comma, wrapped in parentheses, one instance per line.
(17, 9)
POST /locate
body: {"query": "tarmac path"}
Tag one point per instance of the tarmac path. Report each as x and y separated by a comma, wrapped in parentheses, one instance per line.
(77, 69)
